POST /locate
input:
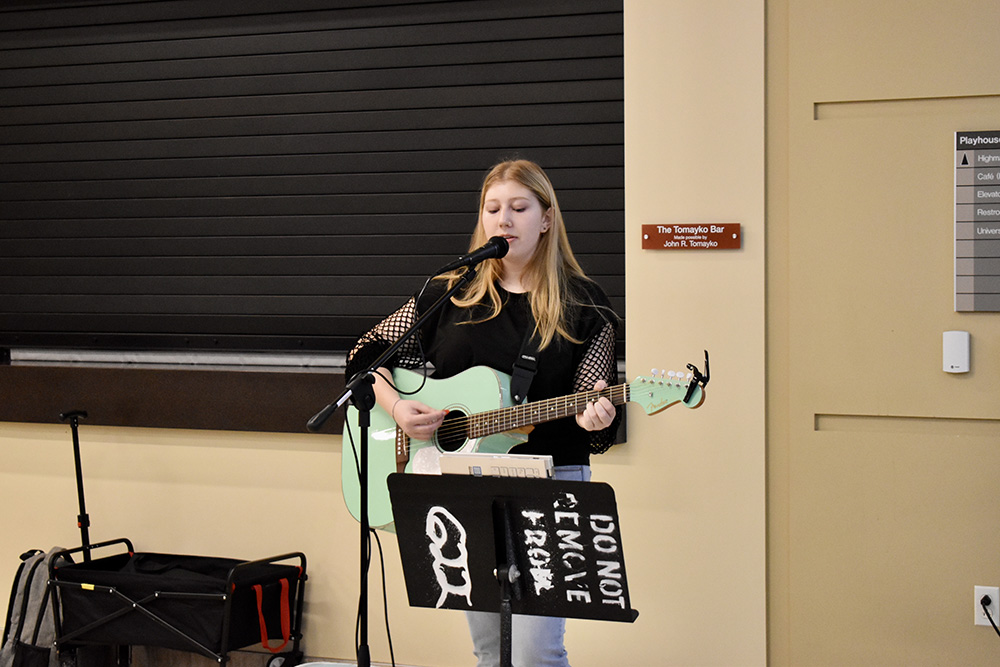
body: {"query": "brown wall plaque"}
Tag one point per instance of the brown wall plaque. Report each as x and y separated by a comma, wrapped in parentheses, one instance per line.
(692, 236)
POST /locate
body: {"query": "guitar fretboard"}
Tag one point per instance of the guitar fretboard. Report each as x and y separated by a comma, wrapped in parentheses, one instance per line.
(512, 418)
(528, 414)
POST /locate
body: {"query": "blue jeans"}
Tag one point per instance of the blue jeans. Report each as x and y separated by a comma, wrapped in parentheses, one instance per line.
(537, 641)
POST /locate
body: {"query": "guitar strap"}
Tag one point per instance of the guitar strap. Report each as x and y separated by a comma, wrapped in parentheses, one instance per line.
(525, 367)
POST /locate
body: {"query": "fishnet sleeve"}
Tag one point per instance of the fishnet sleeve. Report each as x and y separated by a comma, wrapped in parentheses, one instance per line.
(599, 363)
(381, 337)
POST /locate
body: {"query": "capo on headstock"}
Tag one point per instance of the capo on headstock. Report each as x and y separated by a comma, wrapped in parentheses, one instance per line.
(697, 379)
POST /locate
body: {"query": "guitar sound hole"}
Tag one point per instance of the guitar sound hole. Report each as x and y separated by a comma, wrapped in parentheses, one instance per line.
(452, 437)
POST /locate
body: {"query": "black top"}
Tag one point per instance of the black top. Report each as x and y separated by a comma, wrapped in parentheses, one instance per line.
(453, 340)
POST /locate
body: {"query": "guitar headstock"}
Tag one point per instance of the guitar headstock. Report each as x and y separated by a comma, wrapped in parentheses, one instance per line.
(665, 388)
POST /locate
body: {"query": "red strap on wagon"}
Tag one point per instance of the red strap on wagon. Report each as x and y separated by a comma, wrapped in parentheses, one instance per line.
(286, 621)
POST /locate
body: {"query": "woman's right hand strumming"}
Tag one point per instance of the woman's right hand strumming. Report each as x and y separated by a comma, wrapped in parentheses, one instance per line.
(417, 420)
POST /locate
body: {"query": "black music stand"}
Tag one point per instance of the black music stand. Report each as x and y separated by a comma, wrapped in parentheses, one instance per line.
(515, 546)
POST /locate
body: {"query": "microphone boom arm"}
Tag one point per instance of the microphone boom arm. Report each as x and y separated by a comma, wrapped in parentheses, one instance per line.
(316, 422)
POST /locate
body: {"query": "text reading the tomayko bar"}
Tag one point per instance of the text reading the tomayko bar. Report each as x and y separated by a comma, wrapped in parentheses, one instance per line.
(692, 236)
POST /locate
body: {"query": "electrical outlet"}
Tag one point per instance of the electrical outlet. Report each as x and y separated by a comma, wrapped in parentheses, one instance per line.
(994, 606)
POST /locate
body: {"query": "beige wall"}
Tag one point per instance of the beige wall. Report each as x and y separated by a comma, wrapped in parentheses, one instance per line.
(694, 481)
(690, 484)
(882, 467)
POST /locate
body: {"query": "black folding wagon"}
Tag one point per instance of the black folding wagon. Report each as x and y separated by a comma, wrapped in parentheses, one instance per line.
(191, 603)
(200, 604)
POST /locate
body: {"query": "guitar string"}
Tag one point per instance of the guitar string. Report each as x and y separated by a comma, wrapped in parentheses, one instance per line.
(513, 417)
(461, 427)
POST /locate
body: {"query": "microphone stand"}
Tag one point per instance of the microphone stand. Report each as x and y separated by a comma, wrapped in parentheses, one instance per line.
(360, 390)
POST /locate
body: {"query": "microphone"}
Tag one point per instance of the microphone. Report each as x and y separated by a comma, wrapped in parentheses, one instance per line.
(495, 248)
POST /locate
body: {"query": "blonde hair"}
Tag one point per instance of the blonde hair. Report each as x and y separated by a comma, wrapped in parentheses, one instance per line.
(550, 269)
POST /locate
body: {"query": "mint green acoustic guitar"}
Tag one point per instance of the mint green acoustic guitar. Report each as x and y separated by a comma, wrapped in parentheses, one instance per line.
(480, 419)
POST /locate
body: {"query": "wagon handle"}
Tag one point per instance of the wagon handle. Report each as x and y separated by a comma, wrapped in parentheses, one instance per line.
(82, 519)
